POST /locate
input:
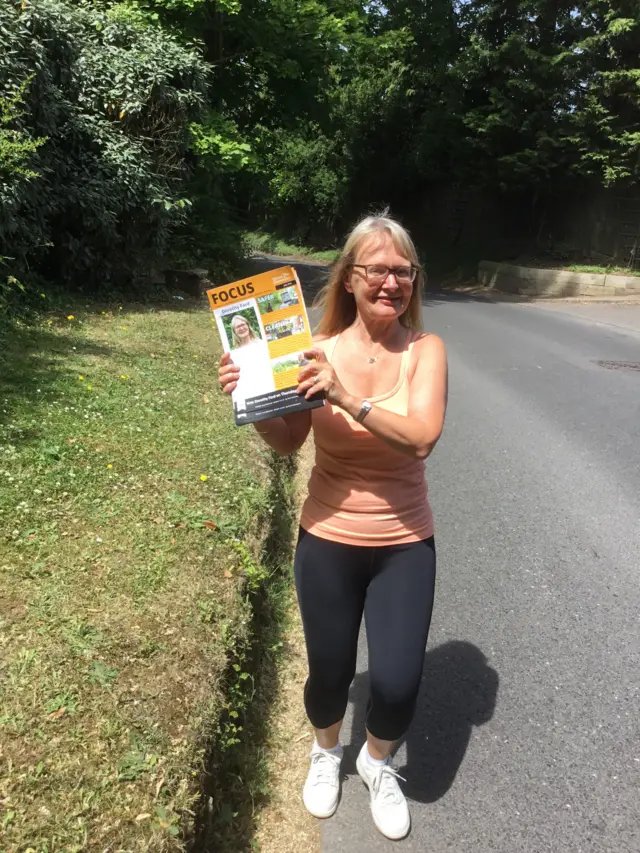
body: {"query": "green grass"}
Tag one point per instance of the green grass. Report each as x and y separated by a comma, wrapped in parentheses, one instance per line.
(260, 241)
(134, 514)
(600, 270)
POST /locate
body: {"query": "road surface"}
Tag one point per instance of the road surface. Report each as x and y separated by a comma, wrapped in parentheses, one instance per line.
(527, 734)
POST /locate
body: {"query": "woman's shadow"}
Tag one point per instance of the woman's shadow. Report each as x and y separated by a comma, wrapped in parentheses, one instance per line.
(458, 691)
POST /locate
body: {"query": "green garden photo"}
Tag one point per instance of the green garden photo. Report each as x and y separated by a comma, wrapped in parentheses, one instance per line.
(241, 327)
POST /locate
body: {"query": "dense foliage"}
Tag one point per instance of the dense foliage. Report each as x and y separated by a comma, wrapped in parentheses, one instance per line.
(94, 135)
(408, 95)
(135, 131)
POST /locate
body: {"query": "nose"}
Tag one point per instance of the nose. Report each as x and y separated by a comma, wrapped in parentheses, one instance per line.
(391, 281)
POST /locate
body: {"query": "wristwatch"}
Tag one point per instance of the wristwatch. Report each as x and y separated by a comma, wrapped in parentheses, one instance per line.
(365, 408)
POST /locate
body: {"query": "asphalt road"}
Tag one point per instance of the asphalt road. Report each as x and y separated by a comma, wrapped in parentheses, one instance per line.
(527, 734)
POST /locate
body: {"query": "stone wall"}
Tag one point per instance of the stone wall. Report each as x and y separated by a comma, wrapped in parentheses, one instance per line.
(528, 281)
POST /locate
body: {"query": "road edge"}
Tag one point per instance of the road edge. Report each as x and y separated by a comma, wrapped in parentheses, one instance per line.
(284, 825)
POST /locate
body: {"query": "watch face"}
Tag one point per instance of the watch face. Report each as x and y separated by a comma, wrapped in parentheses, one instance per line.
(365, 408)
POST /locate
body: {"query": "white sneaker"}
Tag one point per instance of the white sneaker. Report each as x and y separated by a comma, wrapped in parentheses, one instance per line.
(322, 788)
(388, 805)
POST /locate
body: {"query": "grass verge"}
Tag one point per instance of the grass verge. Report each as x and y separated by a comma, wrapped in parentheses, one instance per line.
(564, 264)
(260, 241)
(138, 558)
(238, 784)
(599, 270)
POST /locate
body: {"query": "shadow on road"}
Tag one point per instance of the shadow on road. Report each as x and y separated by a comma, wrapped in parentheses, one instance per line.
(458, 691)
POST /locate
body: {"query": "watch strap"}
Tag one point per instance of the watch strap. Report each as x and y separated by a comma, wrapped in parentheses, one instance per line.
(365, 408)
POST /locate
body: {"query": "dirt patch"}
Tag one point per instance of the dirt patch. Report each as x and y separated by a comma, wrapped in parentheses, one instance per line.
(285, 826)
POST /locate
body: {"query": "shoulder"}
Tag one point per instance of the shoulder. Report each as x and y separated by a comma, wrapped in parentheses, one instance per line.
(322, 341)
(428, 352)
(426, 345)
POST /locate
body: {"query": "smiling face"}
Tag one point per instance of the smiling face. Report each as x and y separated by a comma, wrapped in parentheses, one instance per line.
(242, 330)
(385, 300)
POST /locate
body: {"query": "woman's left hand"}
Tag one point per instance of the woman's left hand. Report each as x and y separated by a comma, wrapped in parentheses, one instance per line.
(319, 375)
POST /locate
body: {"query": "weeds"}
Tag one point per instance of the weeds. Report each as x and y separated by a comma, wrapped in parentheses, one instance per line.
(128, 593)
(237, 765)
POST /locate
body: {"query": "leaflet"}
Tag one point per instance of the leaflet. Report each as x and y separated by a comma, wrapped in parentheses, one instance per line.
(263, 322)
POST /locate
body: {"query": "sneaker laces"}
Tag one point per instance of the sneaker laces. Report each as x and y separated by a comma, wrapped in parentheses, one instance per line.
(385, 786)
(325, 767)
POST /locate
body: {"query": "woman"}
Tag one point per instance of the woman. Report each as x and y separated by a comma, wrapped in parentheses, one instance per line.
(251, 350)
(366, 541)
(241, 332)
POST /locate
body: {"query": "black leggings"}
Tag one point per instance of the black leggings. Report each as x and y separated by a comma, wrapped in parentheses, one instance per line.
(393, 585)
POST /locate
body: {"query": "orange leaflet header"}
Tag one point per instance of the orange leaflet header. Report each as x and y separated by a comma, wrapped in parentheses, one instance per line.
(246, 288)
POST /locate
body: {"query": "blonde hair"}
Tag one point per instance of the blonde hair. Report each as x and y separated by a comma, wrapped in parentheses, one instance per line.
(236, 342)
(338, 305)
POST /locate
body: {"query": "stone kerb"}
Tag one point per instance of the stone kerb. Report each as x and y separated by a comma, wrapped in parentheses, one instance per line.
(530, 281)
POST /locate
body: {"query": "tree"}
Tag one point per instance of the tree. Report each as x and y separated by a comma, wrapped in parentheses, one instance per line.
(515, 73)
(605, 124)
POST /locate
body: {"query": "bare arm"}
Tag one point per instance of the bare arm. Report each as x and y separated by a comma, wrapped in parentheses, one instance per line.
(287, 434)
(414, 434)
(417, 433)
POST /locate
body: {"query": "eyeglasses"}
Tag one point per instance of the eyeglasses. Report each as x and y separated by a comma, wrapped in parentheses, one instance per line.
(378, 274)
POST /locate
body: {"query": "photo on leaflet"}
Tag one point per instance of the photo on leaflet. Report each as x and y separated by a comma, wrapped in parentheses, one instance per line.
(283, 328)
(288, 362)
(284, 298)
(241, 328)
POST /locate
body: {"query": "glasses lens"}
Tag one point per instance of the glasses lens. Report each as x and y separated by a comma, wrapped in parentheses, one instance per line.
(377, 273)
(404, 273)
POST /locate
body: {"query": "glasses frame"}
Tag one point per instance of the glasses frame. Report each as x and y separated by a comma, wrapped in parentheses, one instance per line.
(414, 271)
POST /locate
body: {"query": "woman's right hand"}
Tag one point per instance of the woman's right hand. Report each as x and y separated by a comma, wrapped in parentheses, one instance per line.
(228, 374)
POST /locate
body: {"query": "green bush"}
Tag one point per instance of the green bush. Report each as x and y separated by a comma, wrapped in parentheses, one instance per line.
(114, 99)
(308, 175)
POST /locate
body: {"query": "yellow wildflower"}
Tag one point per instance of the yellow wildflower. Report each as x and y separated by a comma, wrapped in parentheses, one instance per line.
(204, 478)
(109, 465)
(70, 317)
(89, 387)
(81, 378)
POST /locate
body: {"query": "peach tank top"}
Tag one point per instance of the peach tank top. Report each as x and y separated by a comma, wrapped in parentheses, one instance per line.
(361, 490)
